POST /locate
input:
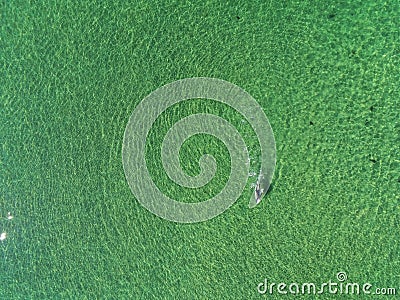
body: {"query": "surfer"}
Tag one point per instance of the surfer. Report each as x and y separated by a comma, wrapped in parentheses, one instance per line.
(258, 192)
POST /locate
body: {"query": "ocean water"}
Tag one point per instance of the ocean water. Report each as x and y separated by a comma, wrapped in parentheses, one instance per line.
(325, 73)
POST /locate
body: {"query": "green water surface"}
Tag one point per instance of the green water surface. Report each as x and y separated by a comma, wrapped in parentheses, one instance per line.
(327, 74)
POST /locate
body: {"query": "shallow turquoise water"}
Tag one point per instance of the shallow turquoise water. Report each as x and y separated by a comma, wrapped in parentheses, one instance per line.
(327, 76)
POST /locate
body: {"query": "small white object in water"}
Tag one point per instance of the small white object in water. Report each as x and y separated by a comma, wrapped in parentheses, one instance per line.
(9, 216)
(258, 192)
(3, 236)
